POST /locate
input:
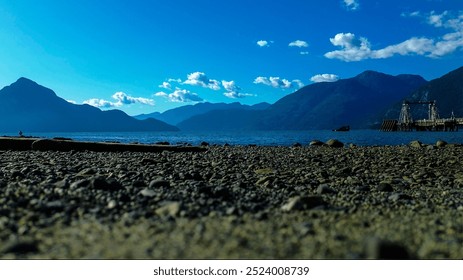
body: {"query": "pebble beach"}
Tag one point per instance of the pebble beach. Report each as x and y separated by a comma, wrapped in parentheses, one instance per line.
(234, 202)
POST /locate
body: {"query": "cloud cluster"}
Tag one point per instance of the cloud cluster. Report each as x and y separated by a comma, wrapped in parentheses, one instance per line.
(278, 82)
(351, 4)
(99, 103)
(200, 79)
(324, 78)
(120, 99)
(299, 44)
(232, 90)
(180, 95)
(262, 43)
(166, 85)
(357, 49)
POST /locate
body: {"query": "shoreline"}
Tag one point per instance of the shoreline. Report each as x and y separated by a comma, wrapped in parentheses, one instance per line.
(235, 202)
(262, 138)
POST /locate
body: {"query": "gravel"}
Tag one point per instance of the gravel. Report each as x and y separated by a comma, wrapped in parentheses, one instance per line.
(230, 202)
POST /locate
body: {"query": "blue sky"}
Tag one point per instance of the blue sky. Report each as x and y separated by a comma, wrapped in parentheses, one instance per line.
(142, 56)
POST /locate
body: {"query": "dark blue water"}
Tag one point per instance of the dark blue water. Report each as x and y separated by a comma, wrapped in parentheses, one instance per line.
(265, 138)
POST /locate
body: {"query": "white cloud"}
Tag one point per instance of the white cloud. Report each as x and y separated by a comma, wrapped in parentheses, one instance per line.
(99, 103)
(351, 4)
(166, 85)
(304, 53)
(414, 45)
(200, 79)
(436, 19)
(262, 43)
(230, 86)
(299, 44)
(124, 99)
(412, 14)
(161, 94)
(352, 49)
(324, 78)
(232, 90)
(278, 82)
(356, 49)
(180, 95)
(121, 99)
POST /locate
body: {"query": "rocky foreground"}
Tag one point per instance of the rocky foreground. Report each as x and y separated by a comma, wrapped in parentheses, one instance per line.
(234, 202)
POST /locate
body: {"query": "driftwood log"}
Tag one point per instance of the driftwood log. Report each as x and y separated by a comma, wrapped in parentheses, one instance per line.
(66, 145)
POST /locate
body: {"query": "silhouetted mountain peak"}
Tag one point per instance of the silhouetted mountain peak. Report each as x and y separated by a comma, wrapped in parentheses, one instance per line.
(25, 80)
(369, 74)
(26, 88)
(28, 106)
(25, 83)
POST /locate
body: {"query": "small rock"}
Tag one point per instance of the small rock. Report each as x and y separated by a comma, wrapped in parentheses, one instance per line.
(17, 173)
(362, 188)
(302, 203)
(325, 189)
(296, 145)
(159, 183)
(264, 171)
(21, 247)
(147, 192)
(441, 144)
(265, 181)
(399, 196)
(62, 184)
(87, 172)
(334, 143)
(415, 144)
(138, 184)
(100, 183)
(169, 209)
(385, 187)
(54, 206)
(111, 204)
(80, 184)
(204, 144)
(386, 250)
(316, 143)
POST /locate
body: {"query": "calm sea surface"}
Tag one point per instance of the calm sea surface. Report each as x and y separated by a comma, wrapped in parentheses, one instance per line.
(264, 138)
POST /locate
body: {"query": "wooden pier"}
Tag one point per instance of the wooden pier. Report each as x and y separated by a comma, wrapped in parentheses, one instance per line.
(432, 123)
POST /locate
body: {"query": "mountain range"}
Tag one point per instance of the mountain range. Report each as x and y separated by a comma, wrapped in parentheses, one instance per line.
(177, 115)
(354, 101)
(361, 102)
(29, 107)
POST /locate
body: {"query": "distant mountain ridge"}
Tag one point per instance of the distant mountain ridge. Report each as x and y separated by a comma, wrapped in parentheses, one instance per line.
(355, 101)
(30, 107)
(180, 114)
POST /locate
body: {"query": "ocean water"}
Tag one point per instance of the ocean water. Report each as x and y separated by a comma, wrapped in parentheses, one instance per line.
(263, 138)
